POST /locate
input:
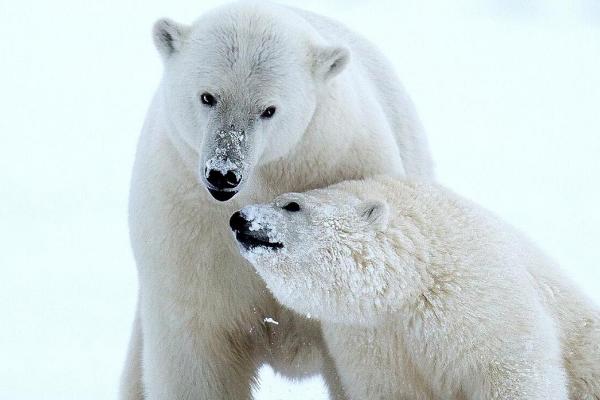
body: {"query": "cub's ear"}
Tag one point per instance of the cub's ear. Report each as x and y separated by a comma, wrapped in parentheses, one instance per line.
(330, 61)
(375, 212)
(168, 36)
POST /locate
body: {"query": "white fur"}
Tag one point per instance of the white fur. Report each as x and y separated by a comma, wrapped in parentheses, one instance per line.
(424, 295)
(341, 114)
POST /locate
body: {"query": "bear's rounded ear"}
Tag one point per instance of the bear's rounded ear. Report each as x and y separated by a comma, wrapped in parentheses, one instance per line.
(329, 61)
(168, 36)
(375, 212)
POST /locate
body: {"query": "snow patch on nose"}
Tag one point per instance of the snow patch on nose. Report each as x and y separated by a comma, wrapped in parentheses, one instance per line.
(263, 223)
(229, 153)
(231, 144)
(231, 139)
(223, 165)
(263, 219)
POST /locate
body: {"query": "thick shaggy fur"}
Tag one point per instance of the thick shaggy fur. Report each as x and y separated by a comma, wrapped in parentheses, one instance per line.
(425, 295)
(341, 114)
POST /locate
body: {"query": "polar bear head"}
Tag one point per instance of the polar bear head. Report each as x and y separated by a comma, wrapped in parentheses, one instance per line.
(240, 88)
(326, 253)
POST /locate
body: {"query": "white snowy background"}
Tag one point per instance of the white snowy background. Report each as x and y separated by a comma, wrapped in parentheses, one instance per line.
(509, 91)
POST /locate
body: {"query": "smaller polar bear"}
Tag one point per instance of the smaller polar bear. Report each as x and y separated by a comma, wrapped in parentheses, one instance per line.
(424, 295)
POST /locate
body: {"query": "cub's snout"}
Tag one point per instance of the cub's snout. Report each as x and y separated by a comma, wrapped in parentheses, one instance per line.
(238, 223)
(251, 235)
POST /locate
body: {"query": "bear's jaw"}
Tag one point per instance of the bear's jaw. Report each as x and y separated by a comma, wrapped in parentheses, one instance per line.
(253, 239)
(221, 195)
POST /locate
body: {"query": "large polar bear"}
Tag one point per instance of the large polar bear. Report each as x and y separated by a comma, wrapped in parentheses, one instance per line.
(256, 100)
(424, 295)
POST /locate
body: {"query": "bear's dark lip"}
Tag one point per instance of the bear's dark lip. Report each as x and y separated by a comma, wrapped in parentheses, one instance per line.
(250, 242)
(222, 195)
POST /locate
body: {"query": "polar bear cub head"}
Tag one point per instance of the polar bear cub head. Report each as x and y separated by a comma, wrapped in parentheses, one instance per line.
(240, 87)
(325, 253)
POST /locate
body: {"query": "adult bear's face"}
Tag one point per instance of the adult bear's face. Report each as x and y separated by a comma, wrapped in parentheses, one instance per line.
(239, 96)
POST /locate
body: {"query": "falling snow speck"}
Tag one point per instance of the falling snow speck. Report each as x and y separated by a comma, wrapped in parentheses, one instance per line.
(270, 320)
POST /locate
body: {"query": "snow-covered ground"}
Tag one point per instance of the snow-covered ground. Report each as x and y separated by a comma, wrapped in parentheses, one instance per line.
(509, 91)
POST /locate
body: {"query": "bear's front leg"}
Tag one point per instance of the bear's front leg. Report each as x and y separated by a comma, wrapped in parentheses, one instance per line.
(526, 381)
(198, 341)
(201, 363)
(131, 387)
(524, 364)
(296, 349)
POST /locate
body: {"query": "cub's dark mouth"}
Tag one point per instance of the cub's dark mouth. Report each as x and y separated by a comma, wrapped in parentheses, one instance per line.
(250, 242)
(222, 195)
(250, 239)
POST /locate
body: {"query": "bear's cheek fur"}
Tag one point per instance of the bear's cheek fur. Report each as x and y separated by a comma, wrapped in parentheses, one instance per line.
(274, 142)
(278, 138)
(281, 278)
(185, 115)
(297, 290)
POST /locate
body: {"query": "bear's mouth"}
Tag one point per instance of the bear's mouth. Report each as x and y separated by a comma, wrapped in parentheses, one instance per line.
(222, 195)
(250, 241)
(250, 234)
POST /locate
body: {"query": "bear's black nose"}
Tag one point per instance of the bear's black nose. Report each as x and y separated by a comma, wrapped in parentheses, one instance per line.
(238, 223)
(221, 181)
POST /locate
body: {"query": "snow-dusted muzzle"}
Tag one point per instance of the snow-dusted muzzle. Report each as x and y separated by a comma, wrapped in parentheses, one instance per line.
(222, 178)
(251, 235)
(225, 168)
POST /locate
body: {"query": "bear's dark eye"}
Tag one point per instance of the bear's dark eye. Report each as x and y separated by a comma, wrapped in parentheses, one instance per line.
(208, 99)
(292, 206)
(268, 113)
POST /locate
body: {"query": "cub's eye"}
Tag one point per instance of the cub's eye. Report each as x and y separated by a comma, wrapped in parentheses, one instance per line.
(208, 99)
(292, 206)
(268, 113)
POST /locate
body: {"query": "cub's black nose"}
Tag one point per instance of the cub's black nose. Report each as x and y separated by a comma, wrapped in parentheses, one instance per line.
(238, 223)
(221, 181)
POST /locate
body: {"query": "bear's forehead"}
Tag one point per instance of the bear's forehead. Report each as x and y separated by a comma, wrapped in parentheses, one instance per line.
(334, 198)
(243, 45)
(230, 68)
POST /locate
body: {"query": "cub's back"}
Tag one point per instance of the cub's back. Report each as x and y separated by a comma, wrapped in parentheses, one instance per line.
(455, 219)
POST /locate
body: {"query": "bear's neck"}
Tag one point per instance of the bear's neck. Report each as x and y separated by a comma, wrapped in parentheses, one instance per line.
(424, 235)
